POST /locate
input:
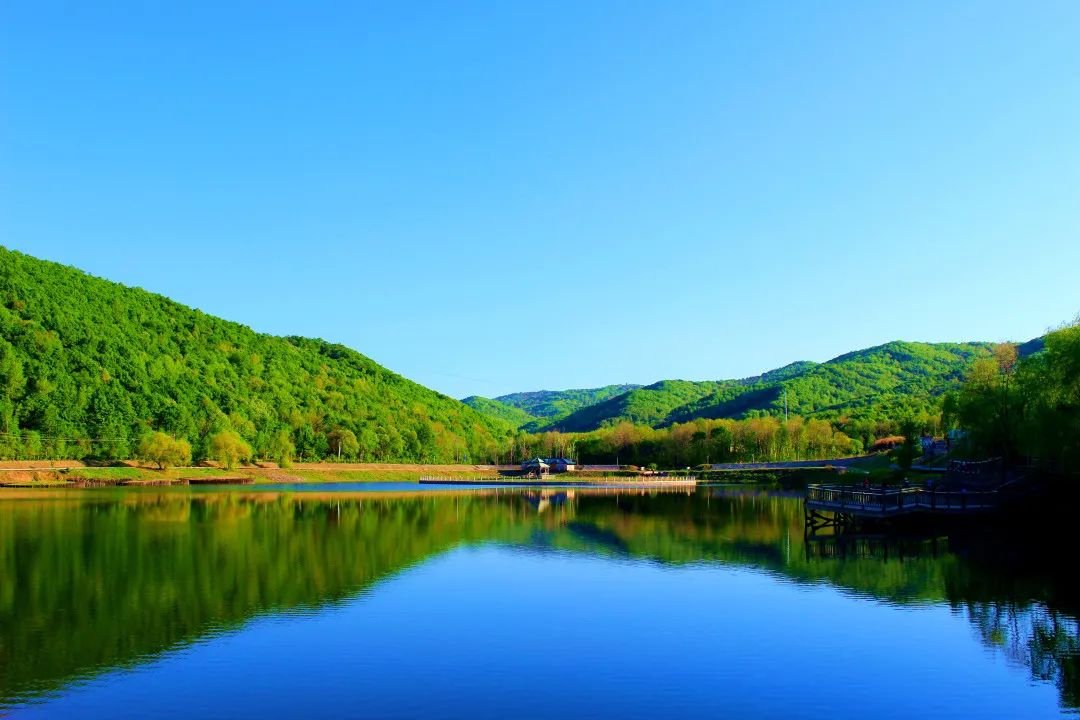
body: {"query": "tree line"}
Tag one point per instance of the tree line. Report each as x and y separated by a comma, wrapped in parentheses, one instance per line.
(758, 439)
(1023, 409)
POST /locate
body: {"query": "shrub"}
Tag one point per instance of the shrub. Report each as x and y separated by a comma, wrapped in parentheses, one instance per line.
(164, 450)
(227, 447)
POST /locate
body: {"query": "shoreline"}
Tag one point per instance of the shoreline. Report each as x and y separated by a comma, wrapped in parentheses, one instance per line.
(29, 474)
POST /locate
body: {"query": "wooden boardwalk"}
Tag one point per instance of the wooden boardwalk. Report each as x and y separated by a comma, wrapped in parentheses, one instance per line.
(892, 502)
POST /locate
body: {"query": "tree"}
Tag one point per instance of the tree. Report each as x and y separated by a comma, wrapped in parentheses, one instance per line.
(990, 409)
(110, 415)
(912, 445)
(1007, 356)
(425, 441)
(1050, 384)
(281, 448)
(622, 435)
(368, 442)
(950, 410)
(164, 450)
(343, 442)
(227, 447)
(12, 379)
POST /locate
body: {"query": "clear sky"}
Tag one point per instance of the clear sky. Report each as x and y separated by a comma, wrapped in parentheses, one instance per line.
(498, 196)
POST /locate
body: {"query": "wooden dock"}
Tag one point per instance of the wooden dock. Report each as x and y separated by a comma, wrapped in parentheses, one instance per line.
(554, 481)
(891, 502)
(839, 507)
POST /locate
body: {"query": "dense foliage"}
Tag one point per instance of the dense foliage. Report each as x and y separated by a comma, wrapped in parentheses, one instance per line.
(651, 405)
(866, 388)
(493, 408)
(88, 367)
(834, 409)
(549, 406)
(872, 384)
(1018, 407)
(761, 439)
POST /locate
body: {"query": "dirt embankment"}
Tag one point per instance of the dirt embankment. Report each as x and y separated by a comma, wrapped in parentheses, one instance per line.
(22, 478)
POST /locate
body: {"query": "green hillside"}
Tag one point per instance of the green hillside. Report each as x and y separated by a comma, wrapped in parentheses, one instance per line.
(88, 366)
(876, 383)
(865, 384)
(560, 403)
(493, 408)
(650, 405)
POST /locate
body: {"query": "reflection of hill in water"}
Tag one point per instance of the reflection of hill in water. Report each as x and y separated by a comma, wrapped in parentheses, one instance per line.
(105, 580)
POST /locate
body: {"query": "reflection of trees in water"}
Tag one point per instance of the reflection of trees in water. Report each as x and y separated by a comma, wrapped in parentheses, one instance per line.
(108, 582)
(1045, 641)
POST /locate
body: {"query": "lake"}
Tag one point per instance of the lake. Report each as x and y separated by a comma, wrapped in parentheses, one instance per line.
(255, 603)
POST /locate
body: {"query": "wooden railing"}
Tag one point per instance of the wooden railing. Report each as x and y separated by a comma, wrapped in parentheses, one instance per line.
(886, 501)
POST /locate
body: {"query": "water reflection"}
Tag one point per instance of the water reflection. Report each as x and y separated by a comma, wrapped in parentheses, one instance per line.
(98, 580)
(1043, 640)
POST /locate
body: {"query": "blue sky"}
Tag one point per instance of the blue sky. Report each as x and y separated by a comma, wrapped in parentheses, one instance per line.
(498, 196)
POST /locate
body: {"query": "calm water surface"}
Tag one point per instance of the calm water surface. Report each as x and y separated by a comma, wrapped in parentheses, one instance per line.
(277, 602)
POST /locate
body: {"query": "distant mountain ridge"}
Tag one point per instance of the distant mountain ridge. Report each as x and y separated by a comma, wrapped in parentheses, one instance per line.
(863, 384)
(542, 408)
(503, 411)
(553, 403)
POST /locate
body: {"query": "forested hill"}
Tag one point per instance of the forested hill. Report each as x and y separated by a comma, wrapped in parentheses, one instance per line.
(875, 383)
(559, 403)
(88, 366)
(493, 408)
(649, 405)
(542, 409)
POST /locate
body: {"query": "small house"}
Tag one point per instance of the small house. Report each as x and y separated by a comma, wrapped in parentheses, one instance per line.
(535, 466)
(543, 466)
(561, 464)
